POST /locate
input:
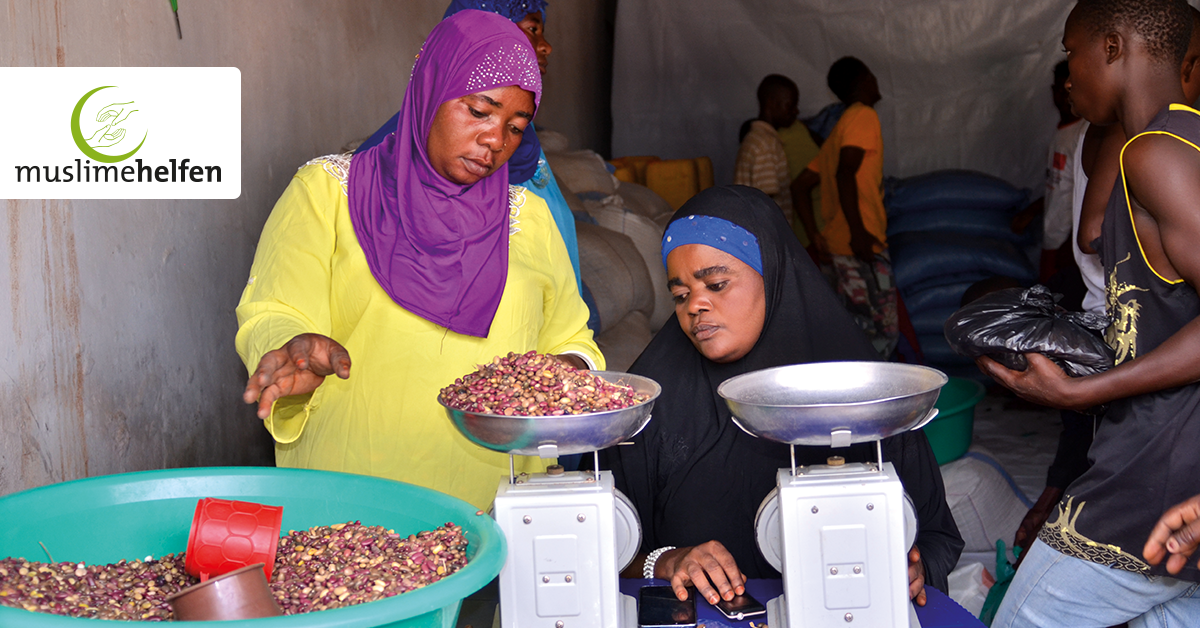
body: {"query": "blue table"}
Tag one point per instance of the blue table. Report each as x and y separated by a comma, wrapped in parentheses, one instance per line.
(939, 611)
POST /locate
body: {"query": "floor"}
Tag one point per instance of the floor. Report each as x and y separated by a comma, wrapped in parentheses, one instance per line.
(1021, 436)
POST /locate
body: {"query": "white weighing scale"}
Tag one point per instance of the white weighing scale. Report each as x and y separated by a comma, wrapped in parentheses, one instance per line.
(569, 534)
(838, 532)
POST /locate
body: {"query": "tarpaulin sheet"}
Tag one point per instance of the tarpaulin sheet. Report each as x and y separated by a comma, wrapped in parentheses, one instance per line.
(965, 83)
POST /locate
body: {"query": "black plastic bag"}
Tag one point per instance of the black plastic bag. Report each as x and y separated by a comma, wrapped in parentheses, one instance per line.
(1007, 324)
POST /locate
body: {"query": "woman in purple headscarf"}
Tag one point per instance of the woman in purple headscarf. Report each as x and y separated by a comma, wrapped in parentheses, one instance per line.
(417, 260)
(528, 167)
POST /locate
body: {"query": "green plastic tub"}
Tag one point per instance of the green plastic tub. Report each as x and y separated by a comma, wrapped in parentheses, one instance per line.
(950, 433)
(105, 519)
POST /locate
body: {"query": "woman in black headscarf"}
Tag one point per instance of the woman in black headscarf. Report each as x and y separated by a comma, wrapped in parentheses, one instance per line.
(747, 297)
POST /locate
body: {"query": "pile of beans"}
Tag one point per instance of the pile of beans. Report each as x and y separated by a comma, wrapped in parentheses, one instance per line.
(346, 564)
(316, 569)
(124, 590)
(532, 384)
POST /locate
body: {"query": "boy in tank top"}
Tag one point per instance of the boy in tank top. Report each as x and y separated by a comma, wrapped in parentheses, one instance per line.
(1089, 566)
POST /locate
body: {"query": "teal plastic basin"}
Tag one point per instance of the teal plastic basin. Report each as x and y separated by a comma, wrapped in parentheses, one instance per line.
(950, 433)
(105, 519)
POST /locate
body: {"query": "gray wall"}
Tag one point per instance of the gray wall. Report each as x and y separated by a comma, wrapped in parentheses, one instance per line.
(117, 316)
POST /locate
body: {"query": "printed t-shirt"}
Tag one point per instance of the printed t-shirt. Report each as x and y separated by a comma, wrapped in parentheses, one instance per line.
(1060, 187)
(1144, 455)
(762, 163)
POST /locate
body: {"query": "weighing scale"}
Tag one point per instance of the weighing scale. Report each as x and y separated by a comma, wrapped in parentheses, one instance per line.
(569, 533)
(838, 532)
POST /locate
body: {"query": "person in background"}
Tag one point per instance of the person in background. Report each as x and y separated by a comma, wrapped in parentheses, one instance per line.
(418, 260)
(1055, 206)
(853, 236)
(1085, 568)
(801, 147)
(528, 167)
(1097, 165)
(761, 160)
(821, 125)
(746, 298)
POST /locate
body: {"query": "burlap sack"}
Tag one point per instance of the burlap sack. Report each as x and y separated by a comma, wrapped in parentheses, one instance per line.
(622, 343)
(614, 272)
(647, 237)
(582, 171)
(552, 141)
(641, 200)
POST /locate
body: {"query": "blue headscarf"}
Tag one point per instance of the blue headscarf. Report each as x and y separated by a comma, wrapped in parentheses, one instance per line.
(715, 232)
(514, 10)
(524, 162)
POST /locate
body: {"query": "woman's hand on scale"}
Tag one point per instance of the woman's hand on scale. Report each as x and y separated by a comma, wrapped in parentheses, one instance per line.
(709, 567)
(296, 368)
(916, 577)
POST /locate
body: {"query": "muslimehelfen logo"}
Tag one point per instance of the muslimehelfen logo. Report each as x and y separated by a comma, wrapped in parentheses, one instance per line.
(111, 125)
(122, 133)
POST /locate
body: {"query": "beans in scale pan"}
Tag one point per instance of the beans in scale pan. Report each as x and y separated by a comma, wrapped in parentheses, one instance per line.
(320, 568)
(533, 384)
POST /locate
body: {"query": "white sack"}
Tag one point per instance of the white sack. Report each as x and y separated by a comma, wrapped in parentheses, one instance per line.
(985, 505)
(967, 588)
(647, 237)
(582, 171)
(640, 199)
(965, 83)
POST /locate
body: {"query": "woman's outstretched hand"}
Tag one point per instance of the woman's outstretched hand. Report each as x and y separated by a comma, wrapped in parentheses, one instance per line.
(916, 577)
(709, 567)
(297, 368)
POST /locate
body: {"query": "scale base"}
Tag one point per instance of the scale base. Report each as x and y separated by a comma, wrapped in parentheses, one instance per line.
(628, 612)
(777, 614)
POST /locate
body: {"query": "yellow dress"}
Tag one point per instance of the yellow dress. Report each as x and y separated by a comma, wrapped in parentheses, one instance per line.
(310, 275)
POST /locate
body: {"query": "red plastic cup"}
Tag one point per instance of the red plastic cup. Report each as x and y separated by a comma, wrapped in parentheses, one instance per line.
(228, 535)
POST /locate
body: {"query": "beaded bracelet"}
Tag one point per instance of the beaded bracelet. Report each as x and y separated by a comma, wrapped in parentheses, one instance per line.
(652, 559)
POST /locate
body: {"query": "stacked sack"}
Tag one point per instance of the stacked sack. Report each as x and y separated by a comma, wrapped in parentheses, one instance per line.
(619, 227)
(947, 230)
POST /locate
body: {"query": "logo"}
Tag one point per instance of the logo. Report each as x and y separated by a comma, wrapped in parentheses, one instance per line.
(134, 133)
(110, 129)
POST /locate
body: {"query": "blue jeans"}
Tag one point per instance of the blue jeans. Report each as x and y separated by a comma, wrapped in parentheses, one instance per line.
(1053, 589)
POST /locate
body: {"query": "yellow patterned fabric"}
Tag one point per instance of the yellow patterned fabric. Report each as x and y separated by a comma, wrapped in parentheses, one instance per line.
(1062, 536)
(310, 275)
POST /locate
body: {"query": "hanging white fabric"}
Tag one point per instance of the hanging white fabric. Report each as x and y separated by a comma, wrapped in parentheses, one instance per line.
(965, 83)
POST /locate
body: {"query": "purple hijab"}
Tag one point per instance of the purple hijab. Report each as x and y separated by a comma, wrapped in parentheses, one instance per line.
(440, 249)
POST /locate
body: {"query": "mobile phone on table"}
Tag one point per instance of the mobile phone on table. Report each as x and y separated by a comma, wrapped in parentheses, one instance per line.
(659, 608)
(741, 607)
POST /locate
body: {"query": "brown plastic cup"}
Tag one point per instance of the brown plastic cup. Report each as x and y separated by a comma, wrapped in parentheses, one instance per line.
(239, 594)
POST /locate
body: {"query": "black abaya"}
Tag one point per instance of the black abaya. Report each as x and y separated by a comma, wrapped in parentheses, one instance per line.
(693, 475)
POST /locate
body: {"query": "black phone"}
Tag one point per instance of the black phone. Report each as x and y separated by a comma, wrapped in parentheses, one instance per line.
(659, 608)
(741, 607)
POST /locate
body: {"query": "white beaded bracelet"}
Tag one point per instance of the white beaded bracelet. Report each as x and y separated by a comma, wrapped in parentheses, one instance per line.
(652, 559)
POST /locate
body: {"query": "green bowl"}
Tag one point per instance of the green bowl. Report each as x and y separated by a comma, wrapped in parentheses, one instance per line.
(105, 519)
(950, 433)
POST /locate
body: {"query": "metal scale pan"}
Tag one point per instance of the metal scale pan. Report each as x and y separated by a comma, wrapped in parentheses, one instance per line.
(833, 403)
(553, 436)
(836, 404)
(569, 534)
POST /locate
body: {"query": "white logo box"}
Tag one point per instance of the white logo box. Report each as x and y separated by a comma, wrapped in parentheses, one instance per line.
(174, 114)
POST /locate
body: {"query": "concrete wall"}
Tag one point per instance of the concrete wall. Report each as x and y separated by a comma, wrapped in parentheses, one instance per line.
(116, 317)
